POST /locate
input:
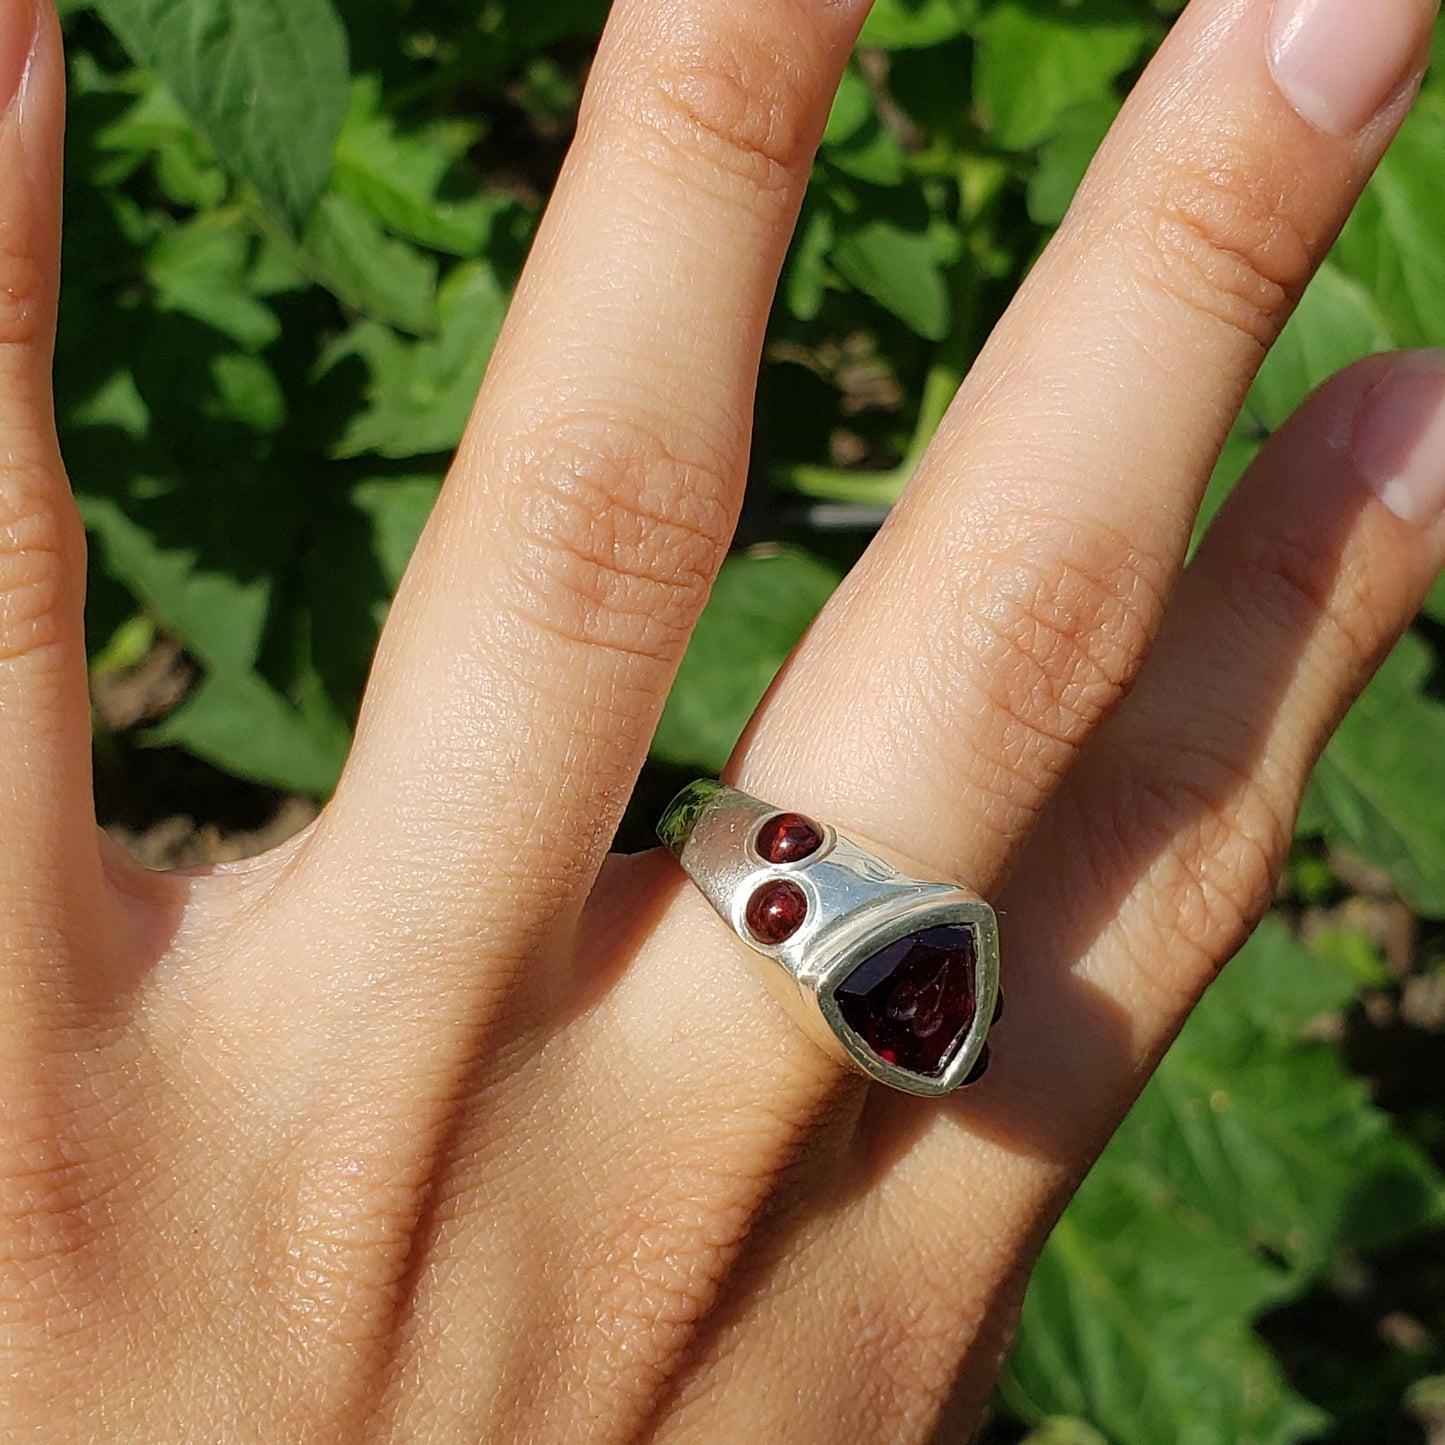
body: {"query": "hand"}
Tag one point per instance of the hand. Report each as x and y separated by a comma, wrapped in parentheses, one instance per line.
(437, 1124)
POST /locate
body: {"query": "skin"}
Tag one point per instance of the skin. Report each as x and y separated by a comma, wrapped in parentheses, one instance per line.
(437, 1123)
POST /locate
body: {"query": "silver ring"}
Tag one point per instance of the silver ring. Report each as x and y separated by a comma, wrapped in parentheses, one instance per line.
(893, 974)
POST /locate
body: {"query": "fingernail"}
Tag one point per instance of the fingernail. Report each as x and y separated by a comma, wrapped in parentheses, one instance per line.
(1339, 61)
(19, 21)
(1399, 441)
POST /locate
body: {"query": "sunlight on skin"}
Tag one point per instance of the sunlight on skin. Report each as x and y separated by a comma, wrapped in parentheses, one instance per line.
(438, 1124)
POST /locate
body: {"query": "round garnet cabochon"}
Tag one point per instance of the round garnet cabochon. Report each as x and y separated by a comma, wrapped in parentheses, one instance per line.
(776, 911)
(788, 838)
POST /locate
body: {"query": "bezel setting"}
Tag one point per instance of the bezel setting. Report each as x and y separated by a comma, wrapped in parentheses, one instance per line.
(850, 955)
(857, 905)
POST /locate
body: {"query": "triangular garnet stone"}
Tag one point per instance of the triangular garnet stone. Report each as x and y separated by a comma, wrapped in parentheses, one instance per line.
(913, 1002)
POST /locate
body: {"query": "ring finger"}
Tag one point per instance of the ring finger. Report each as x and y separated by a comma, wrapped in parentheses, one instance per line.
(1024, 576)
(1153, 862)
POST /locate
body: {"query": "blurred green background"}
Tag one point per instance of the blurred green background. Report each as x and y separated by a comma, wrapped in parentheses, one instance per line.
(293, 226)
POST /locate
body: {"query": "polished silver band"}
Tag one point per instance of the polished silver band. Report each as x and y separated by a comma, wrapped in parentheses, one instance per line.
(893, 974)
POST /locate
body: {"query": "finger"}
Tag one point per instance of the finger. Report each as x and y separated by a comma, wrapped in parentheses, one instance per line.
(1021, 580)
(536, 635)
(1151, 866)
(527, 656)
(49, 856)
(1300, 588)
(1023, 576)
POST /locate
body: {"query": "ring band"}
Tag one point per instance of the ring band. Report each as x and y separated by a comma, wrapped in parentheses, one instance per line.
(893, 974)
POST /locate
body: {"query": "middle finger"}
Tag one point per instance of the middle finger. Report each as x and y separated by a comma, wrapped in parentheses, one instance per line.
(534, 638)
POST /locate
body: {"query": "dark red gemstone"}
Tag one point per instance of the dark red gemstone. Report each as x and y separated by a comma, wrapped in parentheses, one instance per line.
(913, 1002)
(788, 837)
(776, 911)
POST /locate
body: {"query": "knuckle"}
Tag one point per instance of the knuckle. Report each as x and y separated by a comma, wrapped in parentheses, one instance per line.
(1058, 643)
(654, 1285)
(343, 1242)
(917, 1341)
(1233, 866)
(612, 537)
(1225, 837)
(735, 103)
(1292, 587)
(661, 1265)
(1222, 241)
(42, 548)
(61, 1184)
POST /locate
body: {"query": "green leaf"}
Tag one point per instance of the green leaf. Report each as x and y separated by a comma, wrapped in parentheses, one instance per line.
(912, 24)
(1066, 156)
(1035, 65)
(1133, 1303)
(156, 127)
(347, 251)
(805, 279)
(1337, 322)
(1377, 787)
(1240, 450)
(1435, 602)
(265, 81)
(126, 648)
(1064, 1431)
(116, 403)
(245, 389)
(340, 590)
(397, 509)
(1252, 1159)
(900, 269)
(200, 269)
(857, 141)
(421, 392)
(198, 587)
(1269, 1137)
(238, 722)
(1391, 245)
(769, 598)
(398, 176)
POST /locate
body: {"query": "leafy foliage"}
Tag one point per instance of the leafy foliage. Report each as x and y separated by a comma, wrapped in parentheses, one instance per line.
(293, 228)
(767, 597)
(264, 81)
(1251, 1161)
